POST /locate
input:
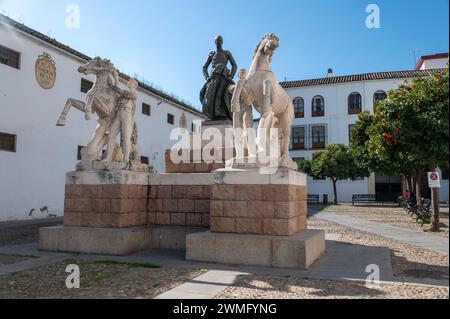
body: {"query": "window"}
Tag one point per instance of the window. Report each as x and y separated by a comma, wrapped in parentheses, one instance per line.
(318, 106)
(377, 97)
(170, 119)
(9, 57)
(299, 107)
(8, 142)
(351, 127)
(298, 138)
(86, 85)
(146, 109)
(318, 137)
(80, 148)
(145, 160)
(354, 103)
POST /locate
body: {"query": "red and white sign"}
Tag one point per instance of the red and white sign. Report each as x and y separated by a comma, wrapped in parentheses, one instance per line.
(434, 180)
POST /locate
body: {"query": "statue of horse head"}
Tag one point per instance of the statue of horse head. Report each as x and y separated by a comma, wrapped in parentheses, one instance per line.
(269, 43)
(96, 66)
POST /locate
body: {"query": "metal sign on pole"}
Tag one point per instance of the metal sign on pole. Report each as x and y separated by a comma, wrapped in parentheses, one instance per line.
(434, 180)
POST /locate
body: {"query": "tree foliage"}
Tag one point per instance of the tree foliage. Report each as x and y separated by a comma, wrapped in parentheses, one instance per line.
(409, 131)
(336, 163)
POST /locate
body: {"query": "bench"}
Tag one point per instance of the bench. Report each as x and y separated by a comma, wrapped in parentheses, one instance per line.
(363, 198)
(423, 210)
(313, 199)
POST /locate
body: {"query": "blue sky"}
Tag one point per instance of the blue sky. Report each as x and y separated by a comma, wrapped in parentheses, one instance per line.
(167, 41)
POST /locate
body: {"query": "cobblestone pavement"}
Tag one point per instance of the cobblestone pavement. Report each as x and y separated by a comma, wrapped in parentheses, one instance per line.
(407, 260)
(18, 233)
(112, 280)
(390, 215)
(275, 287)
(99, 280)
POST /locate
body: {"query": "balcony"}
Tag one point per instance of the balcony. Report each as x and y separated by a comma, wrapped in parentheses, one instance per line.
(318, 113)
(318, 145)
(299, 115)
(298, 147)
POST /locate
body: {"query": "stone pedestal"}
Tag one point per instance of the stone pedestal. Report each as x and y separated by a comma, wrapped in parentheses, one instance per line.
(232, 216)
(197, 162)
(296, 252)
(105, 212)
(123, 212)
(180, 200)
(221, 125)
(250, 202)
(113, 241)
(106, 199)
(258, 219)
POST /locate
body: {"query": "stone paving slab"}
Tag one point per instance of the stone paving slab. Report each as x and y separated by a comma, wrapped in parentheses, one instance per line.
(29, 264)
(420, 239)
(205, 286)
(349, 262)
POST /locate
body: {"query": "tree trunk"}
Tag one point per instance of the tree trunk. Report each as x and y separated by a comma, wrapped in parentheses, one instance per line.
(418, 181)
(403, 183)
(335, 192)
(435, 224)
(409, 183)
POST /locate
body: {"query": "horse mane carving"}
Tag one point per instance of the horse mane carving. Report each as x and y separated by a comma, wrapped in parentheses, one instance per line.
(267, 36)
(108, 66)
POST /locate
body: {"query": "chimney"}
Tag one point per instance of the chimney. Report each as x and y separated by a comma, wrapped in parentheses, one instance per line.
(330, 73)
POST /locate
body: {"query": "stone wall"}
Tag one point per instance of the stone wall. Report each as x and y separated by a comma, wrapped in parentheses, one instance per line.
(179, 205)
(278, 210)
(240, 202)
(106, 206)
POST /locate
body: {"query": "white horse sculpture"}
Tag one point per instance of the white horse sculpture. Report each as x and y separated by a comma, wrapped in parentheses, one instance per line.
(102, 100)
(260, 88)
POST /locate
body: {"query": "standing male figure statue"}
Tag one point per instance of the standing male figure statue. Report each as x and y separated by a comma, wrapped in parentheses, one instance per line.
(123, 123)
(215, 96)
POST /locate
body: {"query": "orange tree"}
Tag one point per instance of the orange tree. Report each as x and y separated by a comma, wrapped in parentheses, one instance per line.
(409, 132)
(336, 163)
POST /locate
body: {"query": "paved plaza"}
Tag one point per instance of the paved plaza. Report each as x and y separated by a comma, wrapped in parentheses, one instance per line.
(411, 264)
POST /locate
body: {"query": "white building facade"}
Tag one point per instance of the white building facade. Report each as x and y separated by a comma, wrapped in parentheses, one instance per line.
(35, 154)
(326, 110)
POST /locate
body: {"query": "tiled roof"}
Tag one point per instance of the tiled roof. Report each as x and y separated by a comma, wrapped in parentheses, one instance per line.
(359, 77)
(19, 26)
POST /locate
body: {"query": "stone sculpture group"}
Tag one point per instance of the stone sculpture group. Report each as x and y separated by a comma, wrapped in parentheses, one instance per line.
(221, 99)
(243, 214)
(258, 88)
(115, 109)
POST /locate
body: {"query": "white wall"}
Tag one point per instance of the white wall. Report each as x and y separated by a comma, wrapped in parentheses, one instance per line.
(443, 195)
(432, 64)
(345, 189)
(34, 176)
